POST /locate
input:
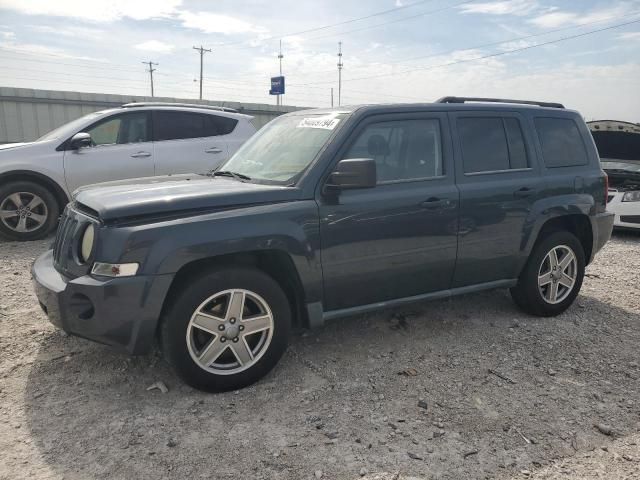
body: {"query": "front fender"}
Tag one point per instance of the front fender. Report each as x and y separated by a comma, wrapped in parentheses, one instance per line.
(164, 247)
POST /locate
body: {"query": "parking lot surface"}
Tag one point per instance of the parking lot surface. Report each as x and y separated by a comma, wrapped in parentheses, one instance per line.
(454, 389)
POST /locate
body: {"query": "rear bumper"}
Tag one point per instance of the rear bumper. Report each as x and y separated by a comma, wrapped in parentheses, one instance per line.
(122, 312)
(602, 226)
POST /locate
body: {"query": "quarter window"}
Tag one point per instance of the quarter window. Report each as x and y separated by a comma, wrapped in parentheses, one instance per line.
(561, 142)
(169, 125)
(403, 150)
(120, 129)
(492, 144)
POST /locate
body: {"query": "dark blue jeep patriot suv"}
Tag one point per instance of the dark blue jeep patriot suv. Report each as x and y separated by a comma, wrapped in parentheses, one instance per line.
(328, 213)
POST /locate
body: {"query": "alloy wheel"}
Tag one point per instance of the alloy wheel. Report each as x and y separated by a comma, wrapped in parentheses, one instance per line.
(23, 212)
(557, 274)
(230, 331)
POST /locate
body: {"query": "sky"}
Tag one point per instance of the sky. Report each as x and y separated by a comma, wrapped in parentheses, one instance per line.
(585, 54)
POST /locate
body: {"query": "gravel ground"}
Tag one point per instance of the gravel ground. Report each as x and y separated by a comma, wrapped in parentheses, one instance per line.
(462, 388)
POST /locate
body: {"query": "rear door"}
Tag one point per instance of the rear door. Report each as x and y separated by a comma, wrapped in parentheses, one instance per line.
(188, 142)
(398, 239)
(499, 181)
(122, 148)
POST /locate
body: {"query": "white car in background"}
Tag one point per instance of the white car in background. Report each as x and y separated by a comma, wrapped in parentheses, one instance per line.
(619, 148)
(135, 140)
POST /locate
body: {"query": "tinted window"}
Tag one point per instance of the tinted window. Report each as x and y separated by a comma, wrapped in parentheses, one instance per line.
(120, 129)
(177, 125)
(562, 145)
(484, 144)
(517, 148)
(216, 125)
(492, 144)
(403, 150)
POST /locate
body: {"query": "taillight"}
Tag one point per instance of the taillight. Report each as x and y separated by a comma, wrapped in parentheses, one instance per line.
(606, 188)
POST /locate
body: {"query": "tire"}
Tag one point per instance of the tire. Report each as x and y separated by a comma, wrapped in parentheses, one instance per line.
(35, 216)
(538, 300)
(188, 341)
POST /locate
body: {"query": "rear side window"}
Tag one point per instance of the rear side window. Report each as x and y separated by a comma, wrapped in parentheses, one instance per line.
(561, 142)
(491, 144)
(169, 125)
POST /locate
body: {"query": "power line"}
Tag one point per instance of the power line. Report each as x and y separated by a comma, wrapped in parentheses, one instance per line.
(498, 54)
(324, 27)
(151, 70)
(202, 51)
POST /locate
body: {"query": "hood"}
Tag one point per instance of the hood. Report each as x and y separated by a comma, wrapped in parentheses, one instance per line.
(7, 146)
(176, 193)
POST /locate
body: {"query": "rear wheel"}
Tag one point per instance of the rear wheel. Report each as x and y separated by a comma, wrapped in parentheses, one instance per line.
(28, 211)
(552, 278)
(226, 329)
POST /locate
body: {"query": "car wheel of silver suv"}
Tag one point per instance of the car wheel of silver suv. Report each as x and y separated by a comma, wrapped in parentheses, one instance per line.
(226, 329)
(28, 211)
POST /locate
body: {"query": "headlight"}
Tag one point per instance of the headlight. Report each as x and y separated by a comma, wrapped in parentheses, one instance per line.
(631, 196)
(86, 246)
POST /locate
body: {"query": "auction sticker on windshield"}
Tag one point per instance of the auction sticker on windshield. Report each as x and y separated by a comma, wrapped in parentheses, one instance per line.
(327, 123)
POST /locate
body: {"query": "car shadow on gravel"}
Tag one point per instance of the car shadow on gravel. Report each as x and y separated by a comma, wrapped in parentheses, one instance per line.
(461, 388)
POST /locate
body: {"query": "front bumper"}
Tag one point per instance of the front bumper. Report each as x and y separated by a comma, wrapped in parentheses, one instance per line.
(122, 312)
(627, 213)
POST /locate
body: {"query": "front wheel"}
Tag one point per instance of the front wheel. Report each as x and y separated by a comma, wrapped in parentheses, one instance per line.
(226, 329)
(28, 211)
(552, 278)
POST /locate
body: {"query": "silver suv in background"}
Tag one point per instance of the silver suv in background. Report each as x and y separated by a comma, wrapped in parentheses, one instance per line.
(135, 140)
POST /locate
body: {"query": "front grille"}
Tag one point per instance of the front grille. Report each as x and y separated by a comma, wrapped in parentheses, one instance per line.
(66, 228)
(630, 218)
(65, 247)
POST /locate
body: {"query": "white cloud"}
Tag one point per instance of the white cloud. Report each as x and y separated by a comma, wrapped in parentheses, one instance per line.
(501, 7)
(629, 36)
(70, 31)
(560, 18)
(95, 10)
(155, 46)
(217, 23)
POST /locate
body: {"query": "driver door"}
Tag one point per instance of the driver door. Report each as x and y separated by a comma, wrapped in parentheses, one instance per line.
(122, 148)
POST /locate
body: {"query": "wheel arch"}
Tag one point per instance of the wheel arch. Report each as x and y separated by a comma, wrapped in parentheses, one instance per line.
(576, 223)
(278, 264)
(43, 180)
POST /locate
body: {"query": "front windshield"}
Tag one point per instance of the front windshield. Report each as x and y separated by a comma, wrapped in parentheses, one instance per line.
(70, 128)
(284, 148)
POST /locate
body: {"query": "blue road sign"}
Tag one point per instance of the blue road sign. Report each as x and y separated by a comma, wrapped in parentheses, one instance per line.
(277, 86)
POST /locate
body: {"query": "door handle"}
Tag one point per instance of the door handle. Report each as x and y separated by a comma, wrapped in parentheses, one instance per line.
(524, 192)
(213, 150)
(141, 155)
(434, 203)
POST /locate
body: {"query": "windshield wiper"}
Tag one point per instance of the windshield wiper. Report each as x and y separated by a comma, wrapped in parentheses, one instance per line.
(226, 173)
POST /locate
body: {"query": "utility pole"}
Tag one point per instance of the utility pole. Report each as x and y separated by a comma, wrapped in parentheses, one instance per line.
(202, 51)
(280, 57)
(331, 97)
(151, 70)
(340, 65)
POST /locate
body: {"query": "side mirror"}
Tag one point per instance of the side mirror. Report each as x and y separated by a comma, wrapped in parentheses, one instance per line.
(353, 173)
(79, 140)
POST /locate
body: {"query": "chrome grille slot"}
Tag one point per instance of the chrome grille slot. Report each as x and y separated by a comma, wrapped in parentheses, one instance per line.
(63, 240)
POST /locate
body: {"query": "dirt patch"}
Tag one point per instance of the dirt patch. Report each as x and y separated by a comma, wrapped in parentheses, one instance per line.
(463, 388)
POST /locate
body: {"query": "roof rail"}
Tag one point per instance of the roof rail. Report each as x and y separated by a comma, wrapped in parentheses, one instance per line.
(171, 104)
(498, 100)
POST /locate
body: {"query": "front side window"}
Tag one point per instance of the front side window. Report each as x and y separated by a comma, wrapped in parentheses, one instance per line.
(282, 150)
(491, 144)
(561, 142)
(402, 150)
(120, 129)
